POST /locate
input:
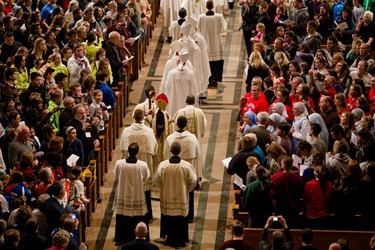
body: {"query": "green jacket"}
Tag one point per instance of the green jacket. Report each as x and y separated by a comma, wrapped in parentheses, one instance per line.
(56, 115)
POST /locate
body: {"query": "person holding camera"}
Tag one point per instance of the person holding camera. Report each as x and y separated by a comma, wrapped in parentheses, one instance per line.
(237, 241)
(280, 240)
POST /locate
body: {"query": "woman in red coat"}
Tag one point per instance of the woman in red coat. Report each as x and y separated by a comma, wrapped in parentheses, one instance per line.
(318, 194)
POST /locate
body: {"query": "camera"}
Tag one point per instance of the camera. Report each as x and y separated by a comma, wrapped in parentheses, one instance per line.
(58, 108)
(320, 77)
(74, 216)
(275, 218)
(123, 24)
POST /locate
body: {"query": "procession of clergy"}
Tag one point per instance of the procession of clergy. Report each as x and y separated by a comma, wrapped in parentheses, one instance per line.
(162, 148)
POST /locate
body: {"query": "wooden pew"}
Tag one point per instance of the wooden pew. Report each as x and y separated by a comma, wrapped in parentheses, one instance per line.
(110, 135)
(136, 66)
(322, 238)
(121, 104)
(89, 181)
(106, 144)
(101, 159)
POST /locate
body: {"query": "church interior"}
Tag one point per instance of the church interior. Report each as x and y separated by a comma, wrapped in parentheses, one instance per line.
(213, 202)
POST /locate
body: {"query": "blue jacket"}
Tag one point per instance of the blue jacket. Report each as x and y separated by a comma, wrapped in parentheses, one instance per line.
(108, 96)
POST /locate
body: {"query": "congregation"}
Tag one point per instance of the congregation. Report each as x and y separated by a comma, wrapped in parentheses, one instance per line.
(307, 118)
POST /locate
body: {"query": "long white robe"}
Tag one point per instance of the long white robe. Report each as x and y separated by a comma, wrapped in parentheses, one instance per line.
(148, 146)
(211, 27)
(145, 106)
(205, 70)
(169, 9)
(172, 63)
(174, 31)
(180, 83)
(196, 120)
(194, 7)
(175, 180)
(190, 149)
(194, 58)
(130, 197)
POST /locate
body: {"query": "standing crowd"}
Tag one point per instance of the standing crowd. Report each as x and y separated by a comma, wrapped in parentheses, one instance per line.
(59, 61)
(307, 118)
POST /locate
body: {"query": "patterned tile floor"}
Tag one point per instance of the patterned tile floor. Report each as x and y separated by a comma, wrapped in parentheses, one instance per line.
(213, 202)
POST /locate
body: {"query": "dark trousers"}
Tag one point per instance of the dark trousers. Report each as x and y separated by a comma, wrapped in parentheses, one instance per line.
(176, 229)
(148, 215)
(190, 215)
(216, 71)
(247, 37)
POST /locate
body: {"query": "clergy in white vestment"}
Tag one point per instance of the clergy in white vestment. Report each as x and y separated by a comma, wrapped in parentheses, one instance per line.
(174, 29)
(172, 63)
(176, 178)
(194, 52)
(180, 83)
(129, 204)
(203, 55)
(196, 120)
(139, 132)
(194, 7)
(190, 152)
(196, 124)
(148, 105)
(169, 10)
(211, 25)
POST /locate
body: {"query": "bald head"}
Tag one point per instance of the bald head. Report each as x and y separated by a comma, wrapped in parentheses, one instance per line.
(114, 37)
(334, 246)
(141, 230)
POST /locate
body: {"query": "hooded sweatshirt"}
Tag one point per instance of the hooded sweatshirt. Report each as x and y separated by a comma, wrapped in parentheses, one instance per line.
(337, 165)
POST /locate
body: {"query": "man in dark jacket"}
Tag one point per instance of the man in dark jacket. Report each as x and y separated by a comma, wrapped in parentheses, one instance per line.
(113, 55)
(140, 243)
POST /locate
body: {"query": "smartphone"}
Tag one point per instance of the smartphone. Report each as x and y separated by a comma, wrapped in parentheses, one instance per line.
(74, 216)
(275, 218)
(83, 205)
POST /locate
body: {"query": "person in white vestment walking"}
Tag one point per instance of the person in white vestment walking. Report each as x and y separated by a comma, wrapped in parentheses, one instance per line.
(196, 124)
(211, 25)
(129, 205)
(181, 82)
(142, 134)
(176, 178)
(190, 152)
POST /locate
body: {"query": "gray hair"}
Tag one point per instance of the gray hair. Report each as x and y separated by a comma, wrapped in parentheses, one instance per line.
(263, 117)
(253, 139)
(66, 99)
(370, 14)
(76, 107)
(259, 81)
(113, 34)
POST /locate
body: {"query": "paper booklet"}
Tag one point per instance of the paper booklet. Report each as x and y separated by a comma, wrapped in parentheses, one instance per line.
(132, 39)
